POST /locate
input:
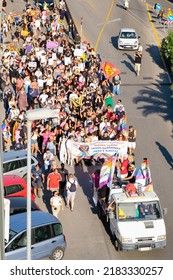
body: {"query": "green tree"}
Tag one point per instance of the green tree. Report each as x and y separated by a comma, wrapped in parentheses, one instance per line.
(167, 51)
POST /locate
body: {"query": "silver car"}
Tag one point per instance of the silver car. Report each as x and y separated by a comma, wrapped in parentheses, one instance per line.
(15, 162)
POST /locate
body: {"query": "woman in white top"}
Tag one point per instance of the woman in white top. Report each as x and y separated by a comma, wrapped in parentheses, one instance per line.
(34, 143)
(56, 203)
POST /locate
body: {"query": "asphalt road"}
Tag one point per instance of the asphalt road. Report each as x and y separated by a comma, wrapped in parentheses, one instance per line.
(148, 103)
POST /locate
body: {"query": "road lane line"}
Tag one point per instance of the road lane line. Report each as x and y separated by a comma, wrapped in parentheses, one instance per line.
(110, 21)
(104, 25)
(91, 5)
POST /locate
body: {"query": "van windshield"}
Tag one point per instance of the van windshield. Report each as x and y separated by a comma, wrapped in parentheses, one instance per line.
(128, 35)
(139, 210)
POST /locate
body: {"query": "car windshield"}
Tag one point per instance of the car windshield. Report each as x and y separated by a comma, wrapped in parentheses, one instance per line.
(137, 211)
(12, 233)
(128, 35)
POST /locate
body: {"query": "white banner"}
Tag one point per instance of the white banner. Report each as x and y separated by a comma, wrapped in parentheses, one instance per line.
(102, 149)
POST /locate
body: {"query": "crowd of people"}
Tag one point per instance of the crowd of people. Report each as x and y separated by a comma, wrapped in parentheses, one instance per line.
(46, 67)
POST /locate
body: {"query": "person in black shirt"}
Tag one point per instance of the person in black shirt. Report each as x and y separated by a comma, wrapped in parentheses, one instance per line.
(138, 60)
(64, 173)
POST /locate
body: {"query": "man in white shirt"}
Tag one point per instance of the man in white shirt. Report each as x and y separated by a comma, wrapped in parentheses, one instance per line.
(43, 98)
(103, 126)
(69, 146)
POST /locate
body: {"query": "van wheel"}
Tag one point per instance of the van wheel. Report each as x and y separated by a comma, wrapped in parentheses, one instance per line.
(57, 254)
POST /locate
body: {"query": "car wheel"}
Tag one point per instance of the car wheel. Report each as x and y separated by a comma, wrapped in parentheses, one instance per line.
(57, 254)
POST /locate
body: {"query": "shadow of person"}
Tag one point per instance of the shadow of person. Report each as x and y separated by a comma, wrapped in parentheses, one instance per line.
(129, 66)
(46, 199)
(131, 59)
(166, 154)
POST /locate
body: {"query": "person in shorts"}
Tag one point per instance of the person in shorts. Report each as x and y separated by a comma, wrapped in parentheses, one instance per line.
(37, 179)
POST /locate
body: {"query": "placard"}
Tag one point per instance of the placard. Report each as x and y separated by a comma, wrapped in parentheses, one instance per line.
(67, 60)
(32, 64)
(78, 52)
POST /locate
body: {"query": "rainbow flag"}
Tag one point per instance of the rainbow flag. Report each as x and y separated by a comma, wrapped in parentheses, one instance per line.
(143, 174)
(107, 172)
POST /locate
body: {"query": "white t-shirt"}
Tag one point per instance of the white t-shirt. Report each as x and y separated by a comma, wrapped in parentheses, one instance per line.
(56, 201)
(43, 98)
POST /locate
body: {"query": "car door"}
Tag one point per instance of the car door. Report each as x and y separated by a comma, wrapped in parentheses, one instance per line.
(14, 167)
(42, 242)
(17, 248)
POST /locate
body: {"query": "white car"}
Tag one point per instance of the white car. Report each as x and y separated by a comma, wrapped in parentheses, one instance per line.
(128, 39)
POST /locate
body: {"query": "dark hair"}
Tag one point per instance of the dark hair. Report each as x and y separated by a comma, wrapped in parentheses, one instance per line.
(54, 192)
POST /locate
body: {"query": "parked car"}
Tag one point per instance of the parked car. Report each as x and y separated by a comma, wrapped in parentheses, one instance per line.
(15, 162)
(47, 237)
(15, 186)
(19, 205)
(128, 39)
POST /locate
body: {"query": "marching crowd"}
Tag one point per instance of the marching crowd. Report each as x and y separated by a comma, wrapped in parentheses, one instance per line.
(46, 67)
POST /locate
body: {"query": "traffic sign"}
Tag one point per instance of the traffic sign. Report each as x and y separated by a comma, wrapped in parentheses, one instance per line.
(170, 18)
(158, 7)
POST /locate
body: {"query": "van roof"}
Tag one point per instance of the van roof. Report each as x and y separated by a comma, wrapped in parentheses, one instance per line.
(14, 154)
(18, 222)
(122, 197)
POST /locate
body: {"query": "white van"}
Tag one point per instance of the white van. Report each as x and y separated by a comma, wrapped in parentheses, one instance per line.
(15, 162)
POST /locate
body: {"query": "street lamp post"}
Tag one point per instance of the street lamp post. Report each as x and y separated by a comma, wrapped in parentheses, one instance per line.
(32, 115)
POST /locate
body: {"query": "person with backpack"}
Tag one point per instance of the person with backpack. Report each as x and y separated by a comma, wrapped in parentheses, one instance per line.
(71, 188)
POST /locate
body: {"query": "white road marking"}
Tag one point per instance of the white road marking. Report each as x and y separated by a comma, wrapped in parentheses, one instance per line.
(110, 21)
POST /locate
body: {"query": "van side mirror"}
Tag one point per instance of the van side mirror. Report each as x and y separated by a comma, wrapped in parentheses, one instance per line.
(165, 210)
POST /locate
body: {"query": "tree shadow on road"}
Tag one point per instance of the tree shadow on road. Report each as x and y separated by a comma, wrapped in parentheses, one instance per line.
(166, 154)
(156, 100)
(154, 52)
(128, 65)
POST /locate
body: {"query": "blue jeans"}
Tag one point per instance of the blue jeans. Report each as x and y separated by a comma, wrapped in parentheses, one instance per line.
(116, 89)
